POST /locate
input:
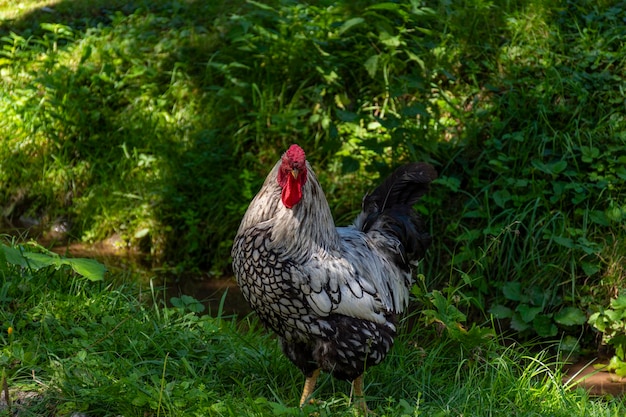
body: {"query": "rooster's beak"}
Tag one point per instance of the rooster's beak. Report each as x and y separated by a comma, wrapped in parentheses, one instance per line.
(295, 172)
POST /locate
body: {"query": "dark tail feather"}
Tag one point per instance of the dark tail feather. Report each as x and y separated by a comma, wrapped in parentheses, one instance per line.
(404, 187)
(389, 209)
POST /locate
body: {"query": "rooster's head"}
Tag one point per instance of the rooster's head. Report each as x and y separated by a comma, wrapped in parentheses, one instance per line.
(292, 175)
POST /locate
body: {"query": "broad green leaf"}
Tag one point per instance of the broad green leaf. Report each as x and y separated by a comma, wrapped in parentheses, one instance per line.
(177, 302)
(439, 301)
(588, 246)
(558, 167)
(564, 241)
(590, 268)
(569, 344)
(188, 302)
(13, 256)
(467, 279)
(598, 321)
(89, 268)
(619, 303)
(453, 183)
(619, 342)
(512, 291)
(528, 313)
(544, 326)
(350, 23)
(446, 312)
(41, 260)
(81, 355)
(536, 295)
(518, 324)
(390, 40)
(371, 65)
(501, 197)
(619, 368)
(570, 316)
(614, 213)
(553, 168)
(589, 153)
(501, 312)
(613, 315)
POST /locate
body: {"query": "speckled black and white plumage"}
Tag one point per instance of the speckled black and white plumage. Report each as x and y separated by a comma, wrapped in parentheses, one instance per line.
(332, 294)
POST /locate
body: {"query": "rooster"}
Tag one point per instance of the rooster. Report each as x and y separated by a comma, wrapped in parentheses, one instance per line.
(331, 294)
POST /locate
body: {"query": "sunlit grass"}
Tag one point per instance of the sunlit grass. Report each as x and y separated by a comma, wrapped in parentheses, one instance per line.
(10, 9)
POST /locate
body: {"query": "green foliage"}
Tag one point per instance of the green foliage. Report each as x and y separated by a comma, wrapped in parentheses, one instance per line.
(152, 126)
(445, 315)
(612, 323)
(537, 179)
(36, 257)
(529, 313)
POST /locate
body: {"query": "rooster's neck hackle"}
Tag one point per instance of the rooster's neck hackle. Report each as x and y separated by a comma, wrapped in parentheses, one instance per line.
(308, 226)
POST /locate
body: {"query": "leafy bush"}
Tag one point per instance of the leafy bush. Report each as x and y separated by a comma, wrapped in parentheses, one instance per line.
(612, 323)
(537, 178)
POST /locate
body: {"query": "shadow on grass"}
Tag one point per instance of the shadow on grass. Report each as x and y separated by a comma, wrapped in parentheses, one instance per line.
(80, 15)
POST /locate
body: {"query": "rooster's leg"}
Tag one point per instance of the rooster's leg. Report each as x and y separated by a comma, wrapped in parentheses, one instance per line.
(359, 397)
(309, 386)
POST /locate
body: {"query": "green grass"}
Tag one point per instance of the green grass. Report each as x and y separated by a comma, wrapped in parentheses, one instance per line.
(110, 348)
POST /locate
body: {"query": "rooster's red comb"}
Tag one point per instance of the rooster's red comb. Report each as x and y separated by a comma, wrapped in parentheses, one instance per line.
(295, 154)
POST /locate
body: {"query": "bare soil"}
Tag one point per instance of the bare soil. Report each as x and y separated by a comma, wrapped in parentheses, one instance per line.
(591, 375)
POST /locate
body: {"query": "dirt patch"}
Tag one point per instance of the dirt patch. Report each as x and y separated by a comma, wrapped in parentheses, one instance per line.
(112, 252)
(592, 376)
